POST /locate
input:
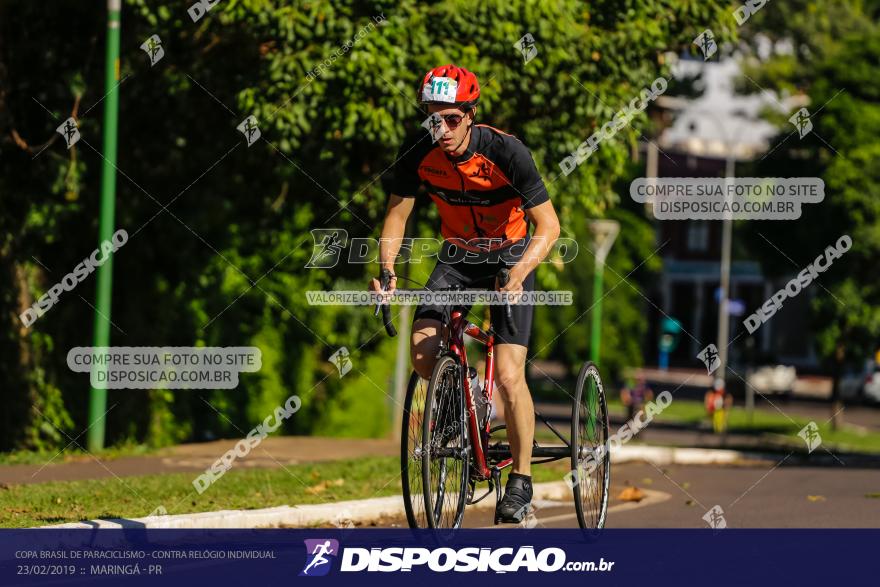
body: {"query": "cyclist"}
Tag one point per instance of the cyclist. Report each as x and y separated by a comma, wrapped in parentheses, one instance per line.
(634, 397)
(487, 191)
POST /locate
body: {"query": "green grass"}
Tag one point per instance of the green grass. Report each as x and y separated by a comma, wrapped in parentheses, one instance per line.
(136, 497)
(241, 488)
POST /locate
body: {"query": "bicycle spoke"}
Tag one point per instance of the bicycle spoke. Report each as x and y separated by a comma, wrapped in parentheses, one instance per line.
(446, 472)
(590, 429)
(414, 414)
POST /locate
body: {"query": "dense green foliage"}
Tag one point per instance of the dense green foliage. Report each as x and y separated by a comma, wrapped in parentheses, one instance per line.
(219, 232)
(834, 58)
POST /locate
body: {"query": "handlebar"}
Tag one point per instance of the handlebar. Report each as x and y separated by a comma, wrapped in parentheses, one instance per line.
(384, 280)
(503, 278)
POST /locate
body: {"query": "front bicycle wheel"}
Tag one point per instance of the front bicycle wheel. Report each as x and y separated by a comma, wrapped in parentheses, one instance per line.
(590, 459)
(446, 452)
(411, 452)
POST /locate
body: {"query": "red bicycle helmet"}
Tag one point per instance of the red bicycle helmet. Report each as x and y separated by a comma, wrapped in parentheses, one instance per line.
(452, 85)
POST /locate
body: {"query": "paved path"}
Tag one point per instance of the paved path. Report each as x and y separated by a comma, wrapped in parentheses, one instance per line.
(286, 450)
(282, 450)
(751, 497)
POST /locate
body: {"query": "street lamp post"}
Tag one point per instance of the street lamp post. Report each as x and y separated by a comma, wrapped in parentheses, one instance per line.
(98, 397)
(604, 234)
(726, 240)
(726, 244)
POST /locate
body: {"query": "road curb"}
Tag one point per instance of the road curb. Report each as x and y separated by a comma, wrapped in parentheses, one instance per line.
(365, 511)
(342, 513)
(670, 455)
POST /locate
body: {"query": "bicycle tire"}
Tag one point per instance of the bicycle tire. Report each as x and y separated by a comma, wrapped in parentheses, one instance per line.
(590, 416)
(445, 411)
(411, 452)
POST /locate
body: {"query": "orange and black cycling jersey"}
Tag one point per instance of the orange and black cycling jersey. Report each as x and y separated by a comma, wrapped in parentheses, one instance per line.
(480, 195)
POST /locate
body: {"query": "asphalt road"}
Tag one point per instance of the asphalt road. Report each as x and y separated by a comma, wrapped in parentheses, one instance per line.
(750, 497)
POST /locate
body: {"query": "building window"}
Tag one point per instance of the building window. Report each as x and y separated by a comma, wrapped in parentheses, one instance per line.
(698, 236)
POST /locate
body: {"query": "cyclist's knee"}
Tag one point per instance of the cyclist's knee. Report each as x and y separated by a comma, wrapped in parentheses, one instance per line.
(425, 342)
(510, 372)
(423, 364)
(512, 387)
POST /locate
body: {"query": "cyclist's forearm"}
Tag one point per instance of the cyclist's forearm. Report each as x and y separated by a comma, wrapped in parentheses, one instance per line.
(393, 230)
(539, 247)
(390, 241)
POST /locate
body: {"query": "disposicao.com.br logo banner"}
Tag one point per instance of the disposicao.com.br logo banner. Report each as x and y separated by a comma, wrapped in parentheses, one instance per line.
(390, 557)
(443, 559)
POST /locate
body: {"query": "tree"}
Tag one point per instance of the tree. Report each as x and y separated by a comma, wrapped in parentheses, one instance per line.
(835, 49)
(219, 232)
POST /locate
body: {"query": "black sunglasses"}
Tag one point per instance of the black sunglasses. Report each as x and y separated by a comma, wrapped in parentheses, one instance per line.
(452, 120)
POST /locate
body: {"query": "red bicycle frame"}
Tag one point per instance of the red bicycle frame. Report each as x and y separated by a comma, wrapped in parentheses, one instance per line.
(458, 327)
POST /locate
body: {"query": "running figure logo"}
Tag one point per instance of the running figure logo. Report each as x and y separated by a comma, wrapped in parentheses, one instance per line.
(319, 553)
(706, 42)
(341, 359)
(810, 435)
(709, 356)
(526, 46)
(327, 248)
(249, 129)
(69, 131)
(715, 518)
(153, 48)
(801, 121)
(434, 125)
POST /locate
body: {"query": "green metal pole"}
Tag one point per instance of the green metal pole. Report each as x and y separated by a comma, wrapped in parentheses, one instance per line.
(597, 311)
(98, 397)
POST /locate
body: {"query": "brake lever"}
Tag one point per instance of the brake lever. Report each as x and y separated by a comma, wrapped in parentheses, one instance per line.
(385, 276)
(503, 279)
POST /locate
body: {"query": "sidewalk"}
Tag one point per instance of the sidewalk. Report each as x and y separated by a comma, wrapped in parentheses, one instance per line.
(281, 451)
(375, 510)
(272, 452)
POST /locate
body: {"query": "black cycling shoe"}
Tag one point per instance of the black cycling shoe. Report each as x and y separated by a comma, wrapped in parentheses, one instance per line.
(516, 503)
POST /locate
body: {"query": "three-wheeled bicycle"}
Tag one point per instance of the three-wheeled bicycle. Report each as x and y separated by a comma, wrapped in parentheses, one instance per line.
(447, 446)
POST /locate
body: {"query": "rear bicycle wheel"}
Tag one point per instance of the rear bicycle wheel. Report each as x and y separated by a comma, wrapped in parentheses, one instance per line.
(590, 459)
(446, 452)
(411, 452)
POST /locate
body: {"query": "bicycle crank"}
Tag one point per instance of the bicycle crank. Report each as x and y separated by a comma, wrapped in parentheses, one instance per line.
(496, 480)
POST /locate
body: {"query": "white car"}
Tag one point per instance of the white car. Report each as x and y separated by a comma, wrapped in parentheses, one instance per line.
(862, 385)
(773, 379)
(871, 390)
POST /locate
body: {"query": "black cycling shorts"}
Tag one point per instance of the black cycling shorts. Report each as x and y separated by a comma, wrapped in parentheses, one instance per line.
(482, 276)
